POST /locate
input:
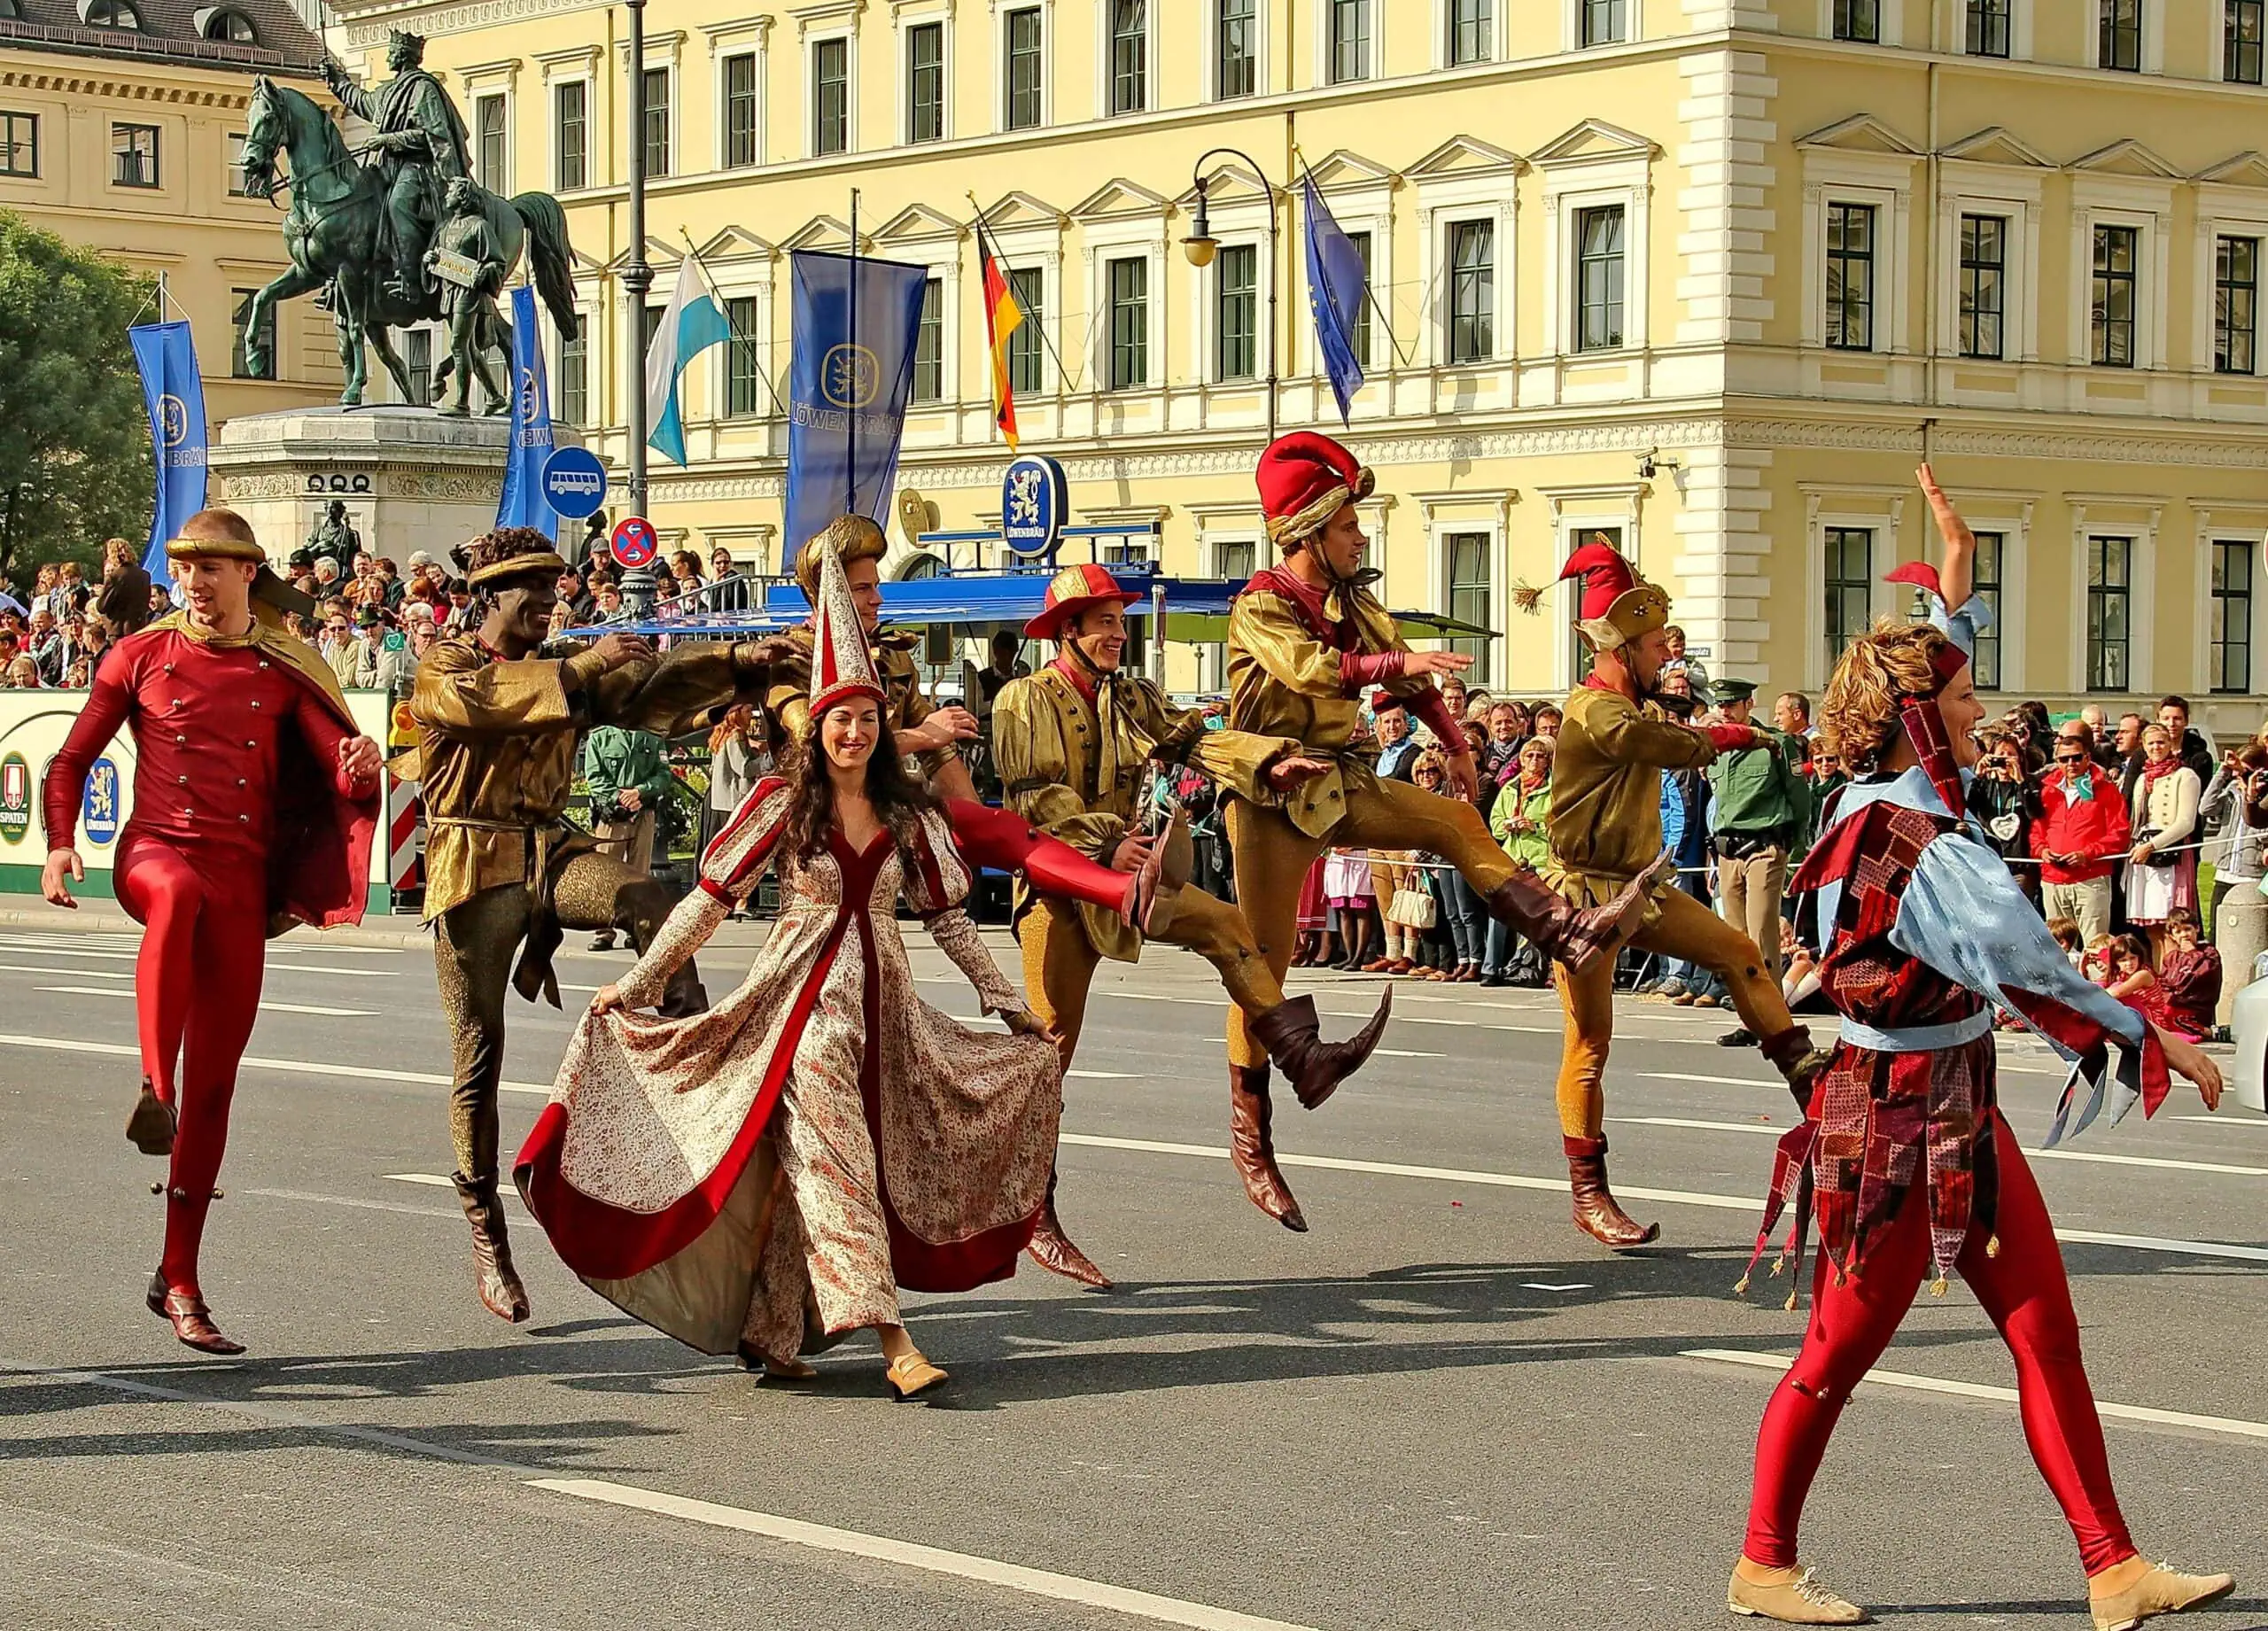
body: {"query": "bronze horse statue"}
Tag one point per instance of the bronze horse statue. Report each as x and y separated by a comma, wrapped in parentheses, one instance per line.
(331, 232)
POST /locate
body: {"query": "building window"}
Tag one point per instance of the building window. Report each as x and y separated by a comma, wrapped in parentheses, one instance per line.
(1350, 40)
(230, 28)
(112, 15)
(240, 185)
(1606, 21)
(488, 142)
(1469, 602)
(1983, 284)
(2231, 657)
(575, 378)
(1599, 278)
(1985, 581)
(417, 362)
(1989, 27)
(1024, 74)
(1859, 20)
(1130, 56)
(654, 85)
(134, 155)
(2240, 42)
(2109, 583)
(1025, 345)
(831, 97)
(2114, 297)
(743, 371)
(1472, 25)
(1850, 586)
(1236, 60)
(1130, 323)
(742, 140)
(929, 344)
(925, 82)
(570, 123)
(649, 325)
(2118, 43)
(1851, 277)
(19, 145)
(1236, 312)
(2236, 304)
(239, 363)
(1362, 243)
(1473, 290)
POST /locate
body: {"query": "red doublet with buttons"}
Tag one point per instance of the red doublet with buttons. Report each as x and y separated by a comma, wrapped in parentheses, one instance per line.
(236, 780)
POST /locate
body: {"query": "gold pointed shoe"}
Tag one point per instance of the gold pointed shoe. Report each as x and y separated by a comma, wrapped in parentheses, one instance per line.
(1792, 1596)
(912, 1377)
(2159, 1590)
(151, 1125)
(1176, 851)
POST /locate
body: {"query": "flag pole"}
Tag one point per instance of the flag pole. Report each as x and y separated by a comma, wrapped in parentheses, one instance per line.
(724, 310)
(850, 477)
(1064, 382)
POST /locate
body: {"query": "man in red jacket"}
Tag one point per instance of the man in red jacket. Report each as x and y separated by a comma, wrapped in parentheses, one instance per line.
(2083, 829)
(254, 804)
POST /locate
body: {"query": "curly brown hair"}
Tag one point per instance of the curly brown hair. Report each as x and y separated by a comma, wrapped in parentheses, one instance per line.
(492, 549)
(1858, 718)
(899, 800)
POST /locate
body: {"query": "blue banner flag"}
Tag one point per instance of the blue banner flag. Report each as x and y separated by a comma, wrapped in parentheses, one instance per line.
(522, 502)
(849, 376)
(1338, 284)
(174, 393)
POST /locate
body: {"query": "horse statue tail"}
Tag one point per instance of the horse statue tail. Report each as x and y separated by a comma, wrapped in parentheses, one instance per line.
(550, 256)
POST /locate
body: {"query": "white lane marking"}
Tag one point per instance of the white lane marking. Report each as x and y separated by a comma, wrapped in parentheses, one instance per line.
(1405, 1054)
(1673, 1197)
(129, 956)
(2234, 1427)
(84, 974)
(906, 1554)
(1541, 1285)
(356, 1202)
(2252, 1121)
(2096, 1157)
(1679, 1075)
(272, 1008)
(289, 1066)
(433, 1178)
(1104, 1076)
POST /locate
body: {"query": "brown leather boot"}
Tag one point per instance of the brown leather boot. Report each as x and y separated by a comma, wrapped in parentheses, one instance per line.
(492, 1275)
(151, 1124)
(1596, 1214)
(1051, 1249)
(1565, 934)
(1292, 1036)
(1798, 1062)
(1252, 1153)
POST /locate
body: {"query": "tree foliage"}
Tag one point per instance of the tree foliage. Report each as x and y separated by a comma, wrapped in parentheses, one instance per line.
(74, 435)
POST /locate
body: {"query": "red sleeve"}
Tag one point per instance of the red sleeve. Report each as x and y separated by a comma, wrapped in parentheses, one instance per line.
(108, 704)
(1360, 669)
(323, 733)
(1433, 710)
(1732, 738)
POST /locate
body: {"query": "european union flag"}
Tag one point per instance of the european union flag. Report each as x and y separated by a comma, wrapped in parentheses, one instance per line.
(522, 502)
(1338, 284)
(175, 394)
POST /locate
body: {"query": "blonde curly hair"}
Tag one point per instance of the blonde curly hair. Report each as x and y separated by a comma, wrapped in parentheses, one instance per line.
(1858, 718)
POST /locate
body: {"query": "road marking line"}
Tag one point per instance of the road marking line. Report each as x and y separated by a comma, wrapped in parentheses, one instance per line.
(2254, 1122)
(289, 1066)
(272, 1008)
(84, 974)
(1405, 1054)
(2098, 1158)
(1104, 1076)
(129, 956)
(907, 1553)
(1679, 1075)
(2233, 1426)
(1541, 1285)
(359, 1204)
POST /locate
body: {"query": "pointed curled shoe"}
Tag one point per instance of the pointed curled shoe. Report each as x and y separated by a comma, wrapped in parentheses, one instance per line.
(1051, 1249)
(1565, 933)
(1792, 1596)
(493, 1277)
(151, 1125)
(2156, 1589)
(1292, 1036)
(910, 1376)
(191, 1320)
(1251, 1150)
(1596, 1212)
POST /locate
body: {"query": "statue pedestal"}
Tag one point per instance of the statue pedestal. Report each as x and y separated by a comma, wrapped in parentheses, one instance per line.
(410, 479)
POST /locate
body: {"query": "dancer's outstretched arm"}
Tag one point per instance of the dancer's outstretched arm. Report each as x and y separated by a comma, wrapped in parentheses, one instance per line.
(733, 864)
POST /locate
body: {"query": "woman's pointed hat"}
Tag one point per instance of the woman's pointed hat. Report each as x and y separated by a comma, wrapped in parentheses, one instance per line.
(842, 665)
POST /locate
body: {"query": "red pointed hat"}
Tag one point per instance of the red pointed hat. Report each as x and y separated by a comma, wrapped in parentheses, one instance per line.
(1072, 591)
(1305, 478)
(841, 666)
(1618, 605)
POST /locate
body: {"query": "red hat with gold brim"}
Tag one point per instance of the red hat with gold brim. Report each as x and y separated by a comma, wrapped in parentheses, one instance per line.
(1618, 605)
(1305, 478)
(1072, 591)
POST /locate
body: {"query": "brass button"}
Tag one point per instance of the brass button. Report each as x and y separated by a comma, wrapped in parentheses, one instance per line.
(183, 741)
(243, 818)
(263, 662)
(249, 744)
(255, 702)
(240, 781)
(183, 781)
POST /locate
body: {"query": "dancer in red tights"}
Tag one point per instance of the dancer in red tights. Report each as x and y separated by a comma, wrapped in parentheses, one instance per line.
(248, 767)
(1903, 1155)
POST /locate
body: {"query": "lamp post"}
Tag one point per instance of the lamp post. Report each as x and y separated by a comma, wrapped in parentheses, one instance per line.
(1200, 246)
(637, 279)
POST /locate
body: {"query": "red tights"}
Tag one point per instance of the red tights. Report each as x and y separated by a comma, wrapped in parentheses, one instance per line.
(2024, 1292)
(1004, 842)
(197, 992)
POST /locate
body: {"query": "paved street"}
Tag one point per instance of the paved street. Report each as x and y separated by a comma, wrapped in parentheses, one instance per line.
(1442, 1407)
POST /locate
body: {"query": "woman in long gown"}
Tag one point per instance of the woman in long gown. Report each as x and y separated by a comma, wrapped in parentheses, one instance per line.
(762, 1178)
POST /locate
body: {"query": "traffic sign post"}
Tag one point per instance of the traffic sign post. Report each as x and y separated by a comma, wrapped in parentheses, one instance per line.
(574, 483)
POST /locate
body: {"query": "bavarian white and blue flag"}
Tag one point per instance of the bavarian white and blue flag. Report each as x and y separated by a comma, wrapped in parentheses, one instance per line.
(690, 324)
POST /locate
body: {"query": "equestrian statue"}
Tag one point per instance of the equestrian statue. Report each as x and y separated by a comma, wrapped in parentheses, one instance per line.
(365, 221)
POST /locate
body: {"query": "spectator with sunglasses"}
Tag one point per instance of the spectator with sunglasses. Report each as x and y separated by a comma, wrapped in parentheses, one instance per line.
(2082, 829)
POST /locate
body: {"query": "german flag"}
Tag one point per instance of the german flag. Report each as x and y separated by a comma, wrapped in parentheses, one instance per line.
(1003, 317)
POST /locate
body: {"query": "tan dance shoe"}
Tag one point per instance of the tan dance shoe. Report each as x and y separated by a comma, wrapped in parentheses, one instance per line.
(2121, 1598)
(910, 1376)
(1791, 1597)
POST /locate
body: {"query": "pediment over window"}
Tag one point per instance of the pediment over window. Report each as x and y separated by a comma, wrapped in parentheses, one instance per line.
(918, 222)
(1861, 133)
(658, 255)
(1347, 169)
(1592, 140)
(2245, 169)
(1119, 197)
(1994, 146)
(2126, 158)
(825, 232)
(1227, 183)
(1465, 155)
(1020, 209)
(737, 244)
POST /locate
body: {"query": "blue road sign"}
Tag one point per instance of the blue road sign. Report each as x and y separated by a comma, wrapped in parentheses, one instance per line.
(634, 543)
(574, 482)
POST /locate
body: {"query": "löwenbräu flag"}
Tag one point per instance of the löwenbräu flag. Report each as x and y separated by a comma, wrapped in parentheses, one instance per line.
(1338, 284)
(855, 323)
(1004, 315)
(175, 394)
(522, 502)
(690, 324)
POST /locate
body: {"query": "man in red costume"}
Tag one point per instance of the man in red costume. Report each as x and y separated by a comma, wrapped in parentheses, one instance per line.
(248, 766)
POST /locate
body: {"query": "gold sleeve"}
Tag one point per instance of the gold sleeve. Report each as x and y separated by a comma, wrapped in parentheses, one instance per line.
(460, 694)
(682, 693)
(1235, 760)
(1265, 626)
(1035, 765)
(1627, 735)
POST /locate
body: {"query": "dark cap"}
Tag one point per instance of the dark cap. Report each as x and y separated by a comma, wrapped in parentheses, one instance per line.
(1732, 690)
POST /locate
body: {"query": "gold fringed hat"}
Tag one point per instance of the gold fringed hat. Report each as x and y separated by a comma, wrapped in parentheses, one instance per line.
(848, 538)
(1305, 478)
(1618, 605)
(842, 667)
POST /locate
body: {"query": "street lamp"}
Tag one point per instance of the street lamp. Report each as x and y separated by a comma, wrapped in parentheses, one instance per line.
(637, 279)
(1200, 246)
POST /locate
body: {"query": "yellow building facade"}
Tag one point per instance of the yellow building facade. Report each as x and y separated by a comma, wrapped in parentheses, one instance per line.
(1710, 276)
(118, 132)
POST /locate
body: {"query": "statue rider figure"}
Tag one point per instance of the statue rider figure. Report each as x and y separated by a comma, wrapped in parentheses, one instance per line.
(419, 147)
